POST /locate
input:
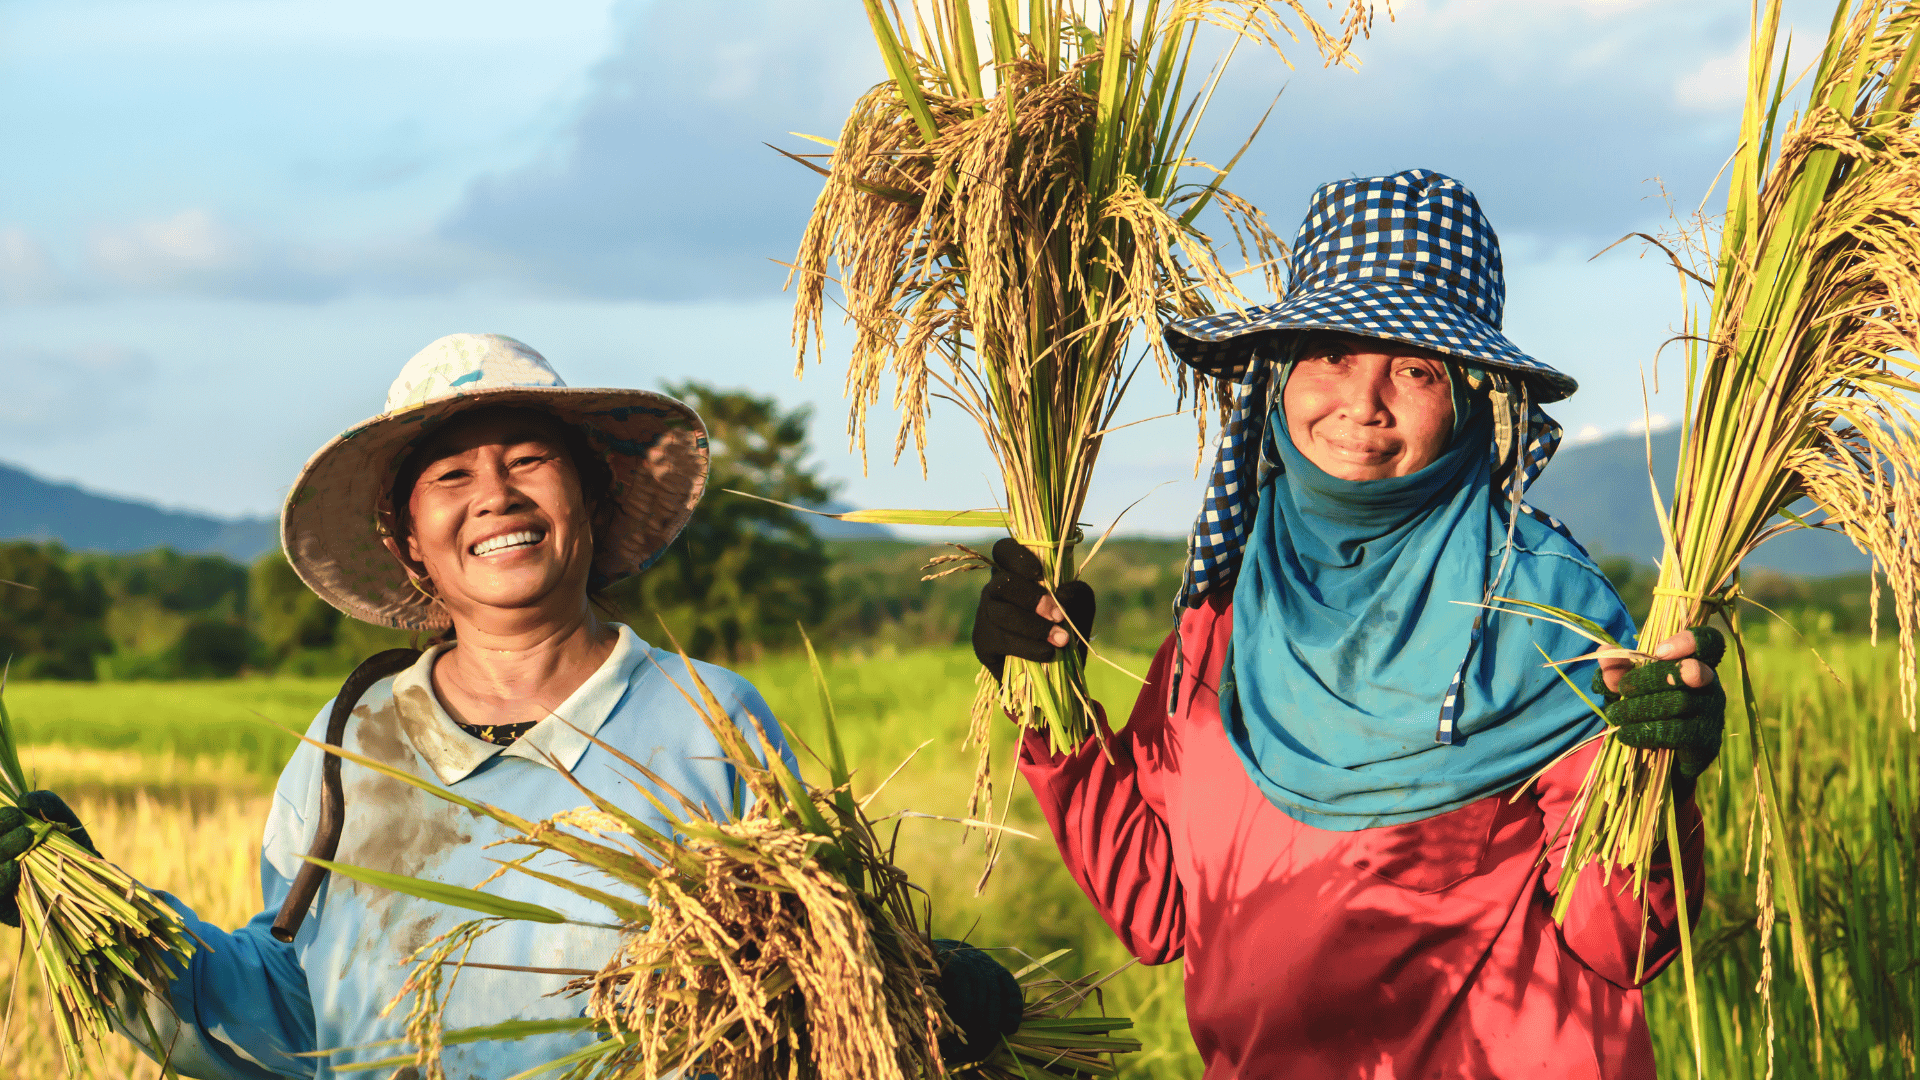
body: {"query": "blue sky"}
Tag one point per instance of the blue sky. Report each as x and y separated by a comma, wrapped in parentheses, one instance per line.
(224, 224)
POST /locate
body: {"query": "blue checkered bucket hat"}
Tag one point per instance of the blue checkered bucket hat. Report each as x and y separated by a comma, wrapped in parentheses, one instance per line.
(1407, 257)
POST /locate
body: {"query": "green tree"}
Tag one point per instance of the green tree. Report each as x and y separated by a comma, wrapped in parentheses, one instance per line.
(744, 572)
(300, 634)
(286, 616)
(50, 618)
(196, 584)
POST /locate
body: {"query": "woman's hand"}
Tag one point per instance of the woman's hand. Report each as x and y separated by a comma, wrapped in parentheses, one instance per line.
(1674, 703)
(1017, 617)
(17, 835)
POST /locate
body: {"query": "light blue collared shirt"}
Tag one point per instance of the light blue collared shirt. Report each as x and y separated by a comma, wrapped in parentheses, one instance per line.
(248, 1005)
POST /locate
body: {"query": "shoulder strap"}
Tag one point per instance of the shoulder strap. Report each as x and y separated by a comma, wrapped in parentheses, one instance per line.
(333, 806)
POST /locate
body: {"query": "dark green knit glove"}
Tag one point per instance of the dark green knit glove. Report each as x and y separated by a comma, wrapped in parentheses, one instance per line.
(1655, 710)
(982, 998)
(17, 834)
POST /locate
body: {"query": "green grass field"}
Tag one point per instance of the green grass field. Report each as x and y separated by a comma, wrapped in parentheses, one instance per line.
(1847, 759)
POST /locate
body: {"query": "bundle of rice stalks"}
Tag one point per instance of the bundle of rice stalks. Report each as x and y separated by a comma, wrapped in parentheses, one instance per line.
(778, 942)
(1001, 224)
(1797, 389)
(101, 941)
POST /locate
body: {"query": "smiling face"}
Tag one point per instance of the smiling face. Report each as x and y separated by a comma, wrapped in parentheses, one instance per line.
(496, 517)
(1367, 409)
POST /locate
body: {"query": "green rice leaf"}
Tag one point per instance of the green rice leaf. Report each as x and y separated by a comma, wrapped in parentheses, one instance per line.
(1686, 939)
(1084, 1025)
(591, 1052)
(959, 519)
(1573, 621)
(16, 777)
(441, 893)
(840, 774)
(901, 69)
(628, 910)
(505, 1031)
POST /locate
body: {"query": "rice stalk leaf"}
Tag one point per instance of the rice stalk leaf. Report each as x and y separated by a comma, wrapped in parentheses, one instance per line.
(502, 816)
(594, 1051)
(970, 519)
(451, 895)
(1685, 922)
(900, 67)
(504, 1031)
(622, 908)
(15, 776)
(1570, 620)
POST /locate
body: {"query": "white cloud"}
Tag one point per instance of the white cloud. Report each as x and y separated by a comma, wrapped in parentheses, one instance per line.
(662, 188)
(1589, 433)
(195, 252)
(1719, 82)
(27, 270)
(190, 244)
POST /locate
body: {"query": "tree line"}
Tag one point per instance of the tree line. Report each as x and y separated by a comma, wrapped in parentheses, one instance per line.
(738, 583)
(733, 588)
(726, 595)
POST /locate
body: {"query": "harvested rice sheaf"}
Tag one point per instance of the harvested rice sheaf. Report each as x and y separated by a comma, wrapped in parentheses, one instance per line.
(99, 939)
(1001, 217)
(1801, 325)
(779, 943)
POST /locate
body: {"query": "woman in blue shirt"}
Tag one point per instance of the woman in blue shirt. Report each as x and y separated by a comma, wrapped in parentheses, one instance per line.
(485, 504)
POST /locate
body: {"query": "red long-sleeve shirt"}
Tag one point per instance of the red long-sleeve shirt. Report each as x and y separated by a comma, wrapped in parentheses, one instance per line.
(1422, 950)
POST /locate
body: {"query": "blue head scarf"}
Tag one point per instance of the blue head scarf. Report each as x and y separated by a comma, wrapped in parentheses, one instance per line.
(1347, 638)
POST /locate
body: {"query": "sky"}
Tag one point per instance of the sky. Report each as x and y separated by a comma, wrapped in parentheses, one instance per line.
(226, 224)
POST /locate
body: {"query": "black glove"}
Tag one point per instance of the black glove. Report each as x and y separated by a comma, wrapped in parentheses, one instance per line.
(16, 836)
(1006, 623)
(1655, 710)
(983, 1000)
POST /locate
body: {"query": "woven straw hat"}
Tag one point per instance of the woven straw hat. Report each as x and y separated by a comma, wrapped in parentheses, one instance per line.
(331, 526)
(1407, 257)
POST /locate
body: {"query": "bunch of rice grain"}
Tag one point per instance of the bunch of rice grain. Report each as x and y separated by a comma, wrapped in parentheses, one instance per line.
(102, 943)
(1799, 388)
(1002, 221)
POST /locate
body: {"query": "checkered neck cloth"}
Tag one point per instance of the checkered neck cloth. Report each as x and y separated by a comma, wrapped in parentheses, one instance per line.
(1409, 258)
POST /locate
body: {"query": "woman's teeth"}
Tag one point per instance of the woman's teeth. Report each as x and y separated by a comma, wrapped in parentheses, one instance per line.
(513, 539)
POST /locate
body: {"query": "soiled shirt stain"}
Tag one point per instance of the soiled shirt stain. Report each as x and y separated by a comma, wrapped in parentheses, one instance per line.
(402, 830)
(251, 1006)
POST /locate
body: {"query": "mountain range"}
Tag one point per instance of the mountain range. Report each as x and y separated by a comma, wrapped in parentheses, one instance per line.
(35, 509)
(1599, 489)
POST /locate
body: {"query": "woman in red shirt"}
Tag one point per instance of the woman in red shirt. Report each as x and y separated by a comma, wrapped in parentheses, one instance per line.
(1322, 799)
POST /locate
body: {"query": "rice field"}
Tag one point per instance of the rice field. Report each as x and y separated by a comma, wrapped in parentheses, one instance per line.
(173, 779)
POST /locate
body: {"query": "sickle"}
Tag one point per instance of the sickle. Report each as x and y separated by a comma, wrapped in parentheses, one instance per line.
(333, 805)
